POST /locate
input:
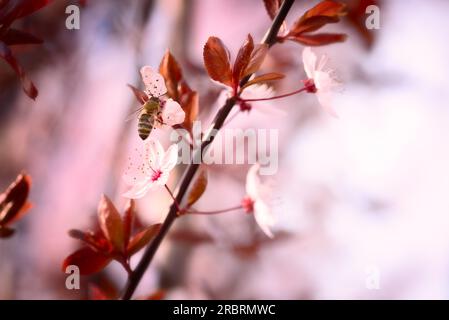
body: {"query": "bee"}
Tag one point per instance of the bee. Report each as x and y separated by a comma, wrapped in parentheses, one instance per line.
(149, 115)
(156, 112)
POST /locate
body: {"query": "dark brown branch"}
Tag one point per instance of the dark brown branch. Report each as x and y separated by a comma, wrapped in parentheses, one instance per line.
(136, 276)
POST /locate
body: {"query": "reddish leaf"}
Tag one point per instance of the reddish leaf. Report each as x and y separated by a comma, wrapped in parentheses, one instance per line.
(27, 85)
(128, 221)
(171, 71)
(198, 187)
(139, 94)
(264, 78)
(216, 61)
(319, 39)
(142, 239)
(87, 260)
(272, 7)
(15, 37)
(111, 223)
(96, 241)
(191, 108)
(312, 24)
(14, 201)
(256, 60)
(326, 8)
(242, 60)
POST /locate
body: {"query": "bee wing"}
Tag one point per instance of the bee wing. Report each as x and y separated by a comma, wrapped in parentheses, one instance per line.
(154, 82)
(133, 115)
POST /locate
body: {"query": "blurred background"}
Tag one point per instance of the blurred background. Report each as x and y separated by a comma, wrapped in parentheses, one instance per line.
(362, 204)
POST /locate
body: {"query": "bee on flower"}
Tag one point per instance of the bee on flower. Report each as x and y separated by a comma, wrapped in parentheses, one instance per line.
(155, 111)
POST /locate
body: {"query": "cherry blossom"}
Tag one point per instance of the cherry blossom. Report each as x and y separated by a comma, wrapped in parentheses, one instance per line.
(256, 200)
(149, 169)
(320, 81)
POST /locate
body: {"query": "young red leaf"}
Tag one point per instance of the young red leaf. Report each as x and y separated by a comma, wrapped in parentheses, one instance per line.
(256, 59)
(272, 7)
(87, 260)
(264, 78)
(27, 85)
(326, 8)
(191, 108)
(216, 61)
(111, 223)
(14, 201)
(15, 37)
(171, 71)
(139, 94)
(312, 24)
(96, 241)
(128, 221)
(141, 239)
(319, 39)
(242, 60)
(198, 187)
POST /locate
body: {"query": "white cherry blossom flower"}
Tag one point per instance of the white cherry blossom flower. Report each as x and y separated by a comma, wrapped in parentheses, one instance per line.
(256, 200)
(321, 80)
(149, 169)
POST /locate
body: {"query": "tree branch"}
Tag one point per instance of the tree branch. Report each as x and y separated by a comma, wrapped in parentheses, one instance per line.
(222, 114)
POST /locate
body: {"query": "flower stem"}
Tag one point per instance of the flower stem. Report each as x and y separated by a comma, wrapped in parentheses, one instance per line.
(214, 211)
(134, 278)
(275, 97)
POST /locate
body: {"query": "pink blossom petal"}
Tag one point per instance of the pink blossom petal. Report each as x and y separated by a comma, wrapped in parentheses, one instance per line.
(138, 190)
(263, 217)
(170, 158)
(309, 61)
(253, 182)
(154, 82)
(325, 99)
(172, 113)
(138, 166)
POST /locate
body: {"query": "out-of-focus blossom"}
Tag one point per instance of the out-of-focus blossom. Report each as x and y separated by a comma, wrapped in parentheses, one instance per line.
(320, 81)
(256, 200)
(150, 169)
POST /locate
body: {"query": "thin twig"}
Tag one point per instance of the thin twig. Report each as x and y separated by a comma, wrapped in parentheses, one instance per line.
(213, 211)
(222, 114)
